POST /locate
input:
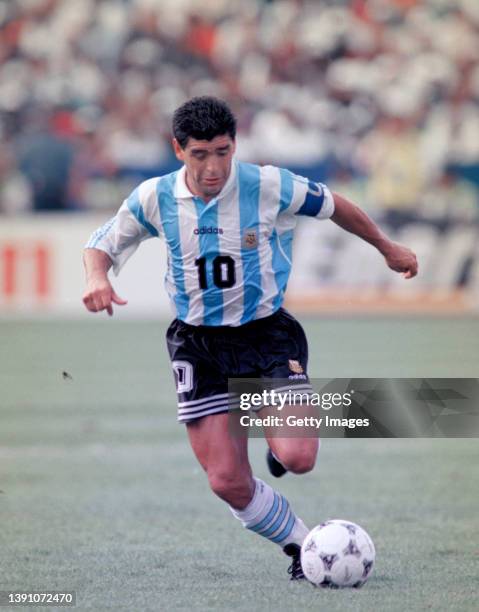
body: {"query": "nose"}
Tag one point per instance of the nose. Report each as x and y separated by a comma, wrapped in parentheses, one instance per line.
(212, 167)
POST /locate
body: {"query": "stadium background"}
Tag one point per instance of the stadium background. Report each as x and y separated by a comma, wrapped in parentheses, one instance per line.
(378, 99)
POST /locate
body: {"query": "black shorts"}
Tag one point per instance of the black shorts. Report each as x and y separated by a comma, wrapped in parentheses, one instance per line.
(205, 357)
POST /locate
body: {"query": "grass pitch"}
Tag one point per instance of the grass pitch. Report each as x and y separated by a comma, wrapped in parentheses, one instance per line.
(101, 494)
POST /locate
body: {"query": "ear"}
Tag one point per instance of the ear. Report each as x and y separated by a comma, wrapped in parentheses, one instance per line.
(179, 152)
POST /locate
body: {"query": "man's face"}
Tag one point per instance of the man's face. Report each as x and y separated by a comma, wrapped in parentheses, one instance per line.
(208, 164)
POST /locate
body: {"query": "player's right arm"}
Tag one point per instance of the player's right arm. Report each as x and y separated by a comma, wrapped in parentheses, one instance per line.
(112, 244)
(99, 294)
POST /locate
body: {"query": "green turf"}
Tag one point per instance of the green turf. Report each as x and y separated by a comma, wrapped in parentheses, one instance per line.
(101, 493)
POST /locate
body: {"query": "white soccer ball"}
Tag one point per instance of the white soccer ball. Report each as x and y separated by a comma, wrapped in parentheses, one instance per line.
(337, 553)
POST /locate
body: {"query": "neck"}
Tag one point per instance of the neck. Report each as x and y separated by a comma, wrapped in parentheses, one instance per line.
(196, 191)
(205, 197)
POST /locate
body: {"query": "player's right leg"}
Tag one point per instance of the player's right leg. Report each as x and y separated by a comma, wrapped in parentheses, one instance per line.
(202, 360)
(224, 457)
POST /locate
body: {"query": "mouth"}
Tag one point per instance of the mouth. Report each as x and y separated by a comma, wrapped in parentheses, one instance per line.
(212, 181)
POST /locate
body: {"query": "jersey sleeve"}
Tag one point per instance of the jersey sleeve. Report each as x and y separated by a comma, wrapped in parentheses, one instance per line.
(310, 198)
(136, 221)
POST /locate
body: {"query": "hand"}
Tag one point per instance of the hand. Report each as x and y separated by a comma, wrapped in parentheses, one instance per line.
(401, 259)
(100, 295)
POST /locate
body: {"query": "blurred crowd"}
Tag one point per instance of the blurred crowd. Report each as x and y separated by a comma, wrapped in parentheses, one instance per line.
(378, 97)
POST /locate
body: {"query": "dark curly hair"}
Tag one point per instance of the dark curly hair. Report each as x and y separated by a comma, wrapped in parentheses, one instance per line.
(203, 118)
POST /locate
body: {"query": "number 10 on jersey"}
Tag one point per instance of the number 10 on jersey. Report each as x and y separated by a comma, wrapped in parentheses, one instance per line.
(224, 274)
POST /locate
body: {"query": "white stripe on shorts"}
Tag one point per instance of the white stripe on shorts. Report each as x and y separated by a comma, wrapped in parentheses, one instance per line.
(201, 413)
(202, 400)
(232, 405)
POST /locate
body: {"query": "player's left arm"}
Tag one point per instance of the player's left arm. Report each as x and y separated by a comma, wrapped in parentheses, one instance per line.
(352, 219)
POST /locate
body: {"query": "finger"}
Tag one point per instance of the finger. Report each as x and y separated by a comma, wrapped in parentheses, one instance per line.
(105, 304)
(413, 269)
(90, 304)
(117, 299)
(88, 300)
(99, 305)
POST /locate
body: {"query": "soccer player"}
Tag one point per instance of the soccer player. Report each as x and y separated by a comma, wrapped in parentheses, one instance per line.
(228, 227)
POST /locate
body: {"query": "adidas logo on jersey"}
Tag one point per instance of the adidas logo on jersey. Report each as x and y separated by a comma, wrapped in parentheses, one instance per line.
(208, 230)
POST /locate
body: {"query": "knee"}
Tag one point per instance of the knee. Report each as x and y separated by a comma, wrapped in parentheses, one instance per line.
(299, 461)
(234, 487)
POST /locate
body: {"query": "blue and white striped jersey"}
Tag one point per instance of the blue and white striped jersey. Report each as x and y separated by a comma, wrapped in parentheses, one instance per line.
(228, 260)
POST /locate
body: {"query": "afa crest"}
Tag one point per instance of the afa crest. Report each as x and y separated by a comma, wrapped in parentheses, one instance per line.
(250, 238)
(295, 366)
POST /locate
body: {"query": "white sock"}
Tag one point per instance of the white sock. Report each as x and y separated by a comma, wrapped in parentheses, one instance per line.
(269, 514)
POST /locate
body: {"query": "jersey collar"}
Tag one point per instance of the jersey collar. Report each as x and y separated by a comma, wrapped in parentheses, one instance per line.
(182, 191)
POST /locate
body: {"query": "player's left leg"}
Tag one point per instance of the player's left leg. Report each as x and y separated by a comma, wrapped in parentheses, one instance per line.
(284, 348)
(296, 452)
(296, 455)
